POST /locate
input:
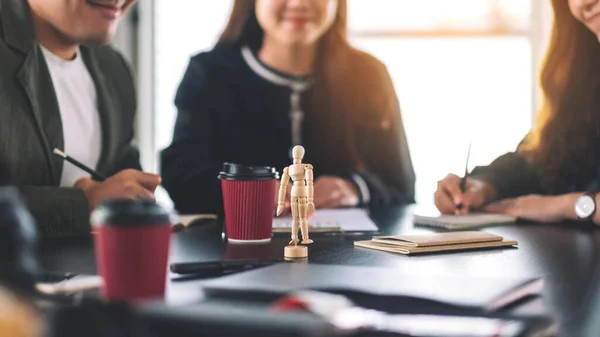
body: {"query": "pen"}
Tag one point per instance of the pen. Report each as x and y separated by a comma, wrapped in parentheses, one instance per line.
(463, 180)
(218, 266)
(54, 277)
(97, 176)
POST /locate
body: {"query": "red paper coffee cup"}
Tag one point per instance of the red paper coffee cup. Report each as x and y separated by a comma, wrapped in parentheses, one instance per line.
(132, 249)
(249, 202)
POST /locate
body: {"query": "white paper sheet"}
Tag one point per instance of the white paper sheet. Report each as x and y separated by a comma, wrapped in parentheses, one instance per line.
(348, 220)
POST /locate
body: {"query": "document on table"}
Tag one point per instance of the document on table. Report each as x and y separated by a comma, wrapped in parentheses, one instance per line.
(334, 220)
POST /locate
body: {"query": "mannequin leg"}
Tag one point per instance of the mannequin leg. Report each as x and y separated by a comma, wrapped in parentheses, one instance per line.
(295, 221)
(302, 215)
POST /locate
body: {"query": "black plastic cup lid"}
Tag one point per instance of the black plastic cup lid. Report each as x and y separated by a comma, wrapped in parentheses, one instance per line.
(233, 171)
(127, 212)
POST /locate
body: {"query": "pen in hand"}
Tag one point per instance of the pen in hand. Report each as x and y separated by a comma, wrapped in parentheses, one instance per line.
(97, 176)
(463, 180)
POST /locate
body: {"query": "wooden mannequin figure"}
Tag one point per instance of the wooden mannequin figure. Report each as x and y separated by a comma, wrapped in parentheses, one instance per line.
(301, 202)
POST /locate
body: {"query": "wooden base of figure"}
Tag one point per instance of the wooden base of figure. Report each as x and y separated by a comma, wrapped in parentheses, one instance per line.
(295, 252)
(300, 260)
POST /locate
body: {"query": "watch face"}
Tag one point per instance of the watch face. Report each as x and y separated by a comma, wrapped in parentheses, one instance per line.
(585, 206)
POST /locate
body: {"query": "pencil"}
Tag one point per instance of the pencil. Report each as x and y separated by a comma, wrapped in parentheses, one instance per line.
(463, 180)
(95, 175)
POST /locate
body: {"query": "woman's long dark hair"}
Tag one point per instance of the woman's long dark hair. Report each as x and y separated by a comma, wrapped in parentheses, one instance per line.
(564, 145)
(351, 89)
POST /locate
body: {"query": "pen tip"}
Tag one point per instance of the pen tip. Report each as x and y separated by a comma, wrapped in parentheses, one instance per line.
(59, 152)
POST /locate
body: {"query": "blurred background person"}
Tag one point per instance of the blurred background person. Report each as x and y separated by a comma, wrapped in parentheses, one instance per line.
(559, 160)
(283, 73)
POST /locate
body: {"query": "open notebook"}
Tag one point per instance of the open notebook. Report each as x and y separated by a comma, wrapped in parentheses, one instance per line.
(463, 221)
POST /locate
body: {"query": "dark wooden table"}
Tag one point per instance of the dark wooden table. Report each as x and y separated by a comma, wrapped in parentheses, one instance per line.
(565, 255)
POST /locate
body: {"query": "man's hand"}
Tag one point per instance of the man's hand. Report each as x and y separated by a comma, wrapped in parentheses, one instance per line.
(334, 192)
(127, 184)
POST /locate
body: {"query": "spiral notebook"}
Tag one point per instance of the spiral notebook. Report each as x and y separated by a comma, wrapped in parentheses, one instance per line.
(463, 221)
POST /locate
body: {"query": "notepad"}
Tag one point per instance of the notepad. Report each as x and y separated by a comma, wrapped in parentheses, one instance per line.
(332, 220)
(463, 221)
(435, 242)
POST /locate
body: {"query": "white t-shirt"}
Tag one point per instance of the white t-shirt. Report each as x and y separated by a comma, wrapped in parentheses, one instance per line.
(77, 102)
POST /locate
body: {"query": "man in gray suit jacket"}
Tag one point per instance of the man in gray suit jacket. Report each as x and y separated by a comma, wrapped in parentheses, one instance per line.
(62, 87)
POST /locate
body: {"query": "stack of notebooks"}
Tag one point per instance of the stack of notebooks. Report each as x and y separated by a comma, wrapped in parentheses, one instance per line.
(437, 242)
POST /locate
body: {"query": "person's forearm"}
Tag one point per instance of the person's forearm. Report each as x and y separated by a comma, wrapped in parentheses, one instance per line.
(510, 175)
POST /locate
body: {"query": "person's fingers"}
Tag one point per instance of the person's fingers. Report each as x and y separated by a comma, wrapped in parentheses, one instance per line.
(506, 206)
(473, 199)
(331, 200)
(143, 193)
(322, 184)
(349, 194)
(444, 202)
(148, 180)
(133, 190)
(322, 199)
(321, 195)
(451, 186)
(318, 202)
(85, 183)
(327, 203)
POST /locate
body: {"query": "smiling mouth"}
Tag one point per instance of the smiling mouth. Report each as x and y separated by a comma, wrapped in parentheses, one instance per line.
(298, 21)
(113, 5)
(110, 10)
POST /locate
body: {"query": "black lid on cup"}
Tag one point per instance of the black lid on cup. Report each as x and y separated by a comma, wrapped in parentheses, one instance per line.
(127, 212)
(233, 171)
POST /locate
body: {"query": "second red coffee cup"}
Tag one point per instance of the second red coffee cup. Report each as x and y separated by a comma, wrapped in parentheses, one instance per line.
(132, 249)
(249, 202)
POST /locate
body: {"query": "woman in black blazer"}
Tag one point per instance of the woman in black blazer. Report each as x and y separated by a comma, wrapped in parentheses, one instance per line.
(283, 74)
(555, 172)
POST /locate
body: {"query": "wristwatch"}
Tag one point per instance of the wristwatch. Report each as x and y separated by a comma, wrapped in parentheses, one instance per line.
(585, 206)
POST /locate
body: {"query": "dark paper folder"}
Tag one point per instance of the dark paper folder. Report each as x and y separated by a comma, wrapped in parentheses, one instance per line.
(271, 282)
